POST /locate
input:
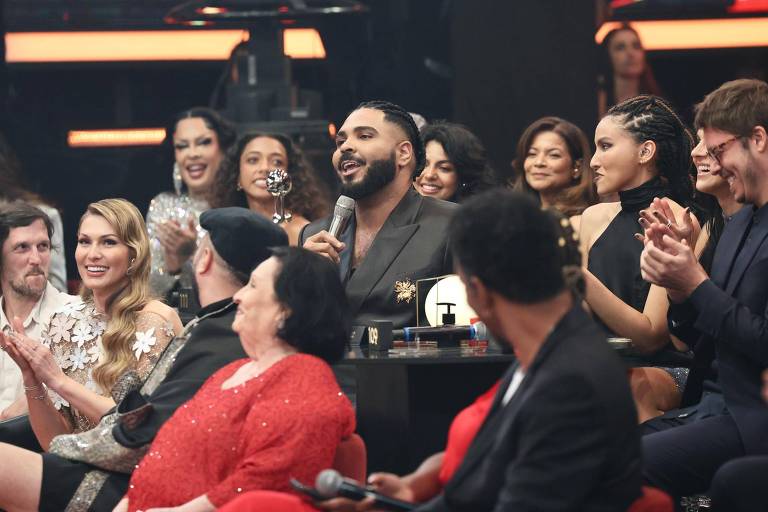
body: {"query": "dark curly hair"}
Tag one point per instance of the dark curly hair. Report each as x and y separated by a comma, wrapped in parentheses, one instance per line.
(574, 199)
(466, 153)
(306, 197)
(652, 118)
(308, 285)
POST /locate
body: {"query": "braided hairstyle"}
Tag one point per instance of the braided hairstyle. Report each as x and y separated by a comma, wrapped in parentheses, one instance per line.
(569, 252)
(399, 116)
(651, 118)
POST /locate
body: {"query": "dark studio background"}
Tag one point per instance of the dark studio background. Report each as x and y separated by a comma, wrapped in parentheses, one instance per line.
(493, 65)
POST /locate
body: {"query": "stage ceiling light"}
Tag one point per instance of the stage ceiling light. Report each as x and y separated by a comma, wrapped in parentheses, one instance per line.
(147, 45)
(115, 138)
(696, 34)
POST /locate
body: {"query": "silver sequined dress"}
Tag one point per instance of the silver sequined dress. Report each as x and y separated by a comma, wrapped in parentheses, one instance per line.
(164, 207)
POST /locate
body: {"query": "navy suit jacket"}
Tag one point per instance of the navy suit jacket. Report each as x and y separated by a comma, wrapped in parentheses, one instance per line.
(731, 311)
(568, 439)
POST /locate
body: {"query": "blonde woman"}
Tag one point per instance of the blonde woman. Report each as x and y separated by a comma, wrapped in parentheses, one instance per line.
(95, 348)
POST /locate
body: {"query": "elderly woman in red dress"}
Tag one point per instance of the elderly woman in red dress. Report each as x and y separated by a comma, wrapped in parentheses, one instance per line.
(259, 421)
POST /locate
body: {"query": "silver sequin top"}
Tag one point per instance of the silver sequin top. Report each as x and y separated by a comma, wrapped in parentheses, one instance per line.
(164, 207)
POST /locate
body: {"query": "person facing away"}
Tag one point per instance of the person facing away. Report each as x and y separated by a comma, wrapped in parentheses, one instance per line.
(561, 433)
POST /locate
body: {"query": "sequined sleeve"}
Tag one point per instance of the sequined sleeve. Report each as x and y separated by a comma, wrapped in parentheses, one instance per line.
(164, 207)
(153, 333)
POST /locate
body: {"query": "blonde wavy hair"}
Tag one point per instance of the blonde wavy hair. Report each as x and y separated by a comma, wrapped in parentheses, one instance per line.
(123, 306)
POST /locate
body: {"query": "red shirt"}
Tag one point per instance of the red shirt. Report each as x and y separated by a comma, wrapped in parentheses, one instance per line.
(285, 423)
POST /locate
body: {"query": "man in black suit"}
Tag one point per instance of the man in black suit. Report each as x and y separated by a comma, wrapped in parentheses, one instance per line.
(729, 308)
(395, 236)
(562, 431)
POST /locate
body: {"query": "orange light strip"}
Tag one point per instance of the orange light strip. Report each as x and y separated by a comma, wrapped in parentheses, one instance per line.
(696, 34)
(147, 45)
(113, 138)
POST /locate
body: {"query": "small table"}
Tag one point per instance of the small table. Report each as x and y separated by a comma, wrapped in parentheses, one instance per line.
(406, 400)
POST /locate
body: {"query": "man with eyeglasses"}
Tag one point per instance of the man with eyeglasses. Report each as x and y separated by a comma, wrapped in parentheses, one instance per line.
(727, 310)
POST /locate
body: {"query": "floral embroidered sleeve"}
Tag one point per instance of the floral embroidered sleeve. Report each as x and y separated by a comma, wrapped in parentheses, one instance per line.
(74, 338)
(153, 333)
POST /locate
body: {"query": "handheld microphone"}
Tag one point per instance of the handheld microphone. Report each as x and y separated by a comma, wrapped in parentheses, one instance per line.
(330, 484)
(345, 207)
(476, 331)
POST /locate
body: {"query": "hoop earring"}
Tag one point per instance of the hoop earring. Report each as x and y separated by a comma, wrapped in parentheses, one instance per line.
(239, 186)
(178, 183)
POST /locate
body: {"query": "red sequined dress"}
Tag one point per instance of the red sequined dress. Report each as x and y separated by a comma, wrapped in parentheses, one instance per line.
(285, 423)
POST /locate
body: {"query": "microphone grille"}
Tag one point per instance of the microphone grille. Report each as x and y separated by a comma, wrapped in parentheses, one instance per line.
(344, 206)
(328, 482)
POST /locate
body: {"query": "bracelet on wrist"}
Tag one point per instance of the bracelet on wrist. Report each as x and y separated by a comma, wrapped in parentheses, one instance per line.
(41, 388)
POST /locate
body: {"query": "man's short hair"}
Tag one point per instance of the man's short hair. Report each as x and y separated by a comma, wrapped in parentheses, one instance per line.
(19, 214)
(399, 116)
(510, 244)
(735, 107)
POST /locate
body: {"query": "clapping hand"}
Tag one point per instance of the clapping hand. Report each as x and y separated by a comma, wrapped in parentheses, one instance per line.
(659, 220)
(33, 357)
(674, 267)
(178, 243)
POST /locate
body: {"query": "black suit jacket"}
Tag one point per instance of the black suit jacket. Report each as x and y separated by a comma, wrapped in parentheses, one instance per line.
(567, 440)
(412, 244)
(731, 311)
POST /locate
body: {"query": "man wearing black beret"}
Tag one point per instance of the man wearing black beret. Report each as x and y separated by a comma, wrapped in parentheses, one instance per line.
(91, 470)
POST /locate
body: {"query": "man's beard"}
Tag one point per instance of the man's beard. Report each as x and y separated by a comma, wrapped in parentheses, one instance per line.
(380, 174)
(21, 287)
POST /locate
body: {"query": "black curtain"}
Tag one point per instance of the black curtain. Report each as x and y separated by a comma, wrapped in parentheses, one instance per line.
(517, 61)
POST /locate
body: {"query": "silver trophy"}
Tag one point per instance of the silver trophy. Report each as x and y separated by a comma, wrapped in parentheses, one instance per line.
(279, 184)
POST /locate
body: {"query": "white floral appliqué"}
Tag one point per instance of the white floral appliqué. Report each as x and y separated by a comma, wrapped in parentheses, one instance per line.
(78, 359)
(73, 309)
(144, 342)
(59, 328)
(82, 333)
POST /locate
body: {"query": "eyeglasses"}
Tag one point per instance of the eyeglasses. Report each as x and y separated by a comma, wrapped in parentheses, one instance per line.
(715, 153)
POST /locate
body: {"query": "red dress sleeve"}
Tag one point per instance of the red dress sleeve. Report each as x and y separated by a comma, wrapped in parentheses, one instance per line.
(463, 429)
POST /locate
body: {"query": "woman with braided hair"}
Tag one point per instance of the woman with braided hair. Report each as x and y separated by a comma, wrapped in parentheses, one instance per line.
(642, 152)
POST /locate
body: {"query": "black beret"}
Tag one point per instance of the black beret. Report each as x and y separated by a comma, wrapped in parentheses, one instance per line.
(242, 237)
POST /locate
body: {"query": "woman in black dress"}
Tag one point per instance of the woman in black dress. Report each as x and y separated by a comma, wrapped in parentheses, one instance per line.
(642, 152)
